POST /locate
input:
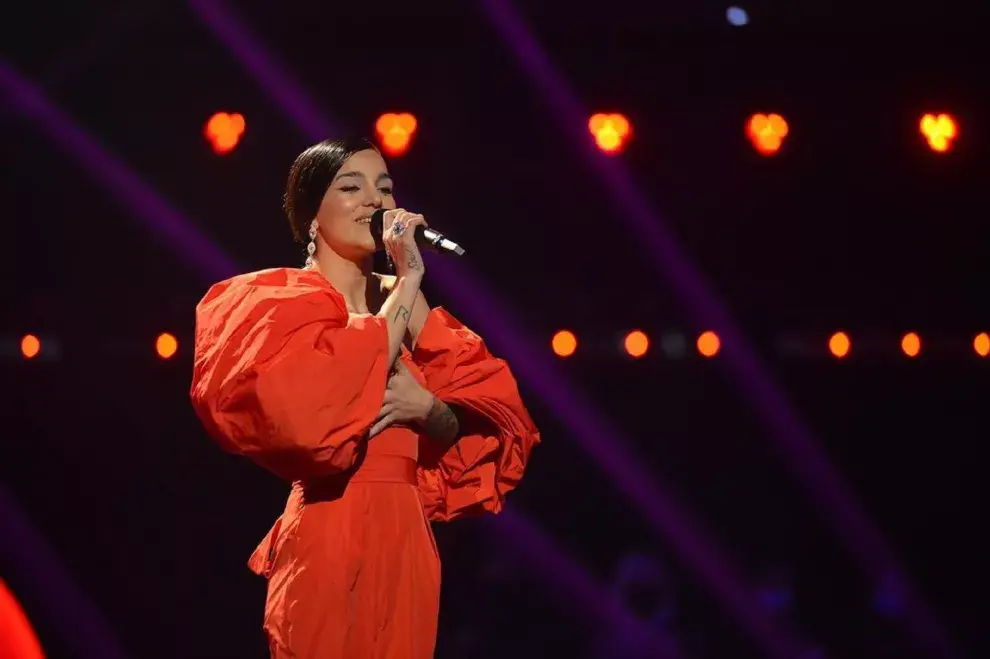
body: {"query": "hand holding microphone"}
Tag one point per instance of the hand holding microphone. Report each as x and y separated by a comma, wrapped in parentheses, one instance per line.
(424, 236)
(399, 238)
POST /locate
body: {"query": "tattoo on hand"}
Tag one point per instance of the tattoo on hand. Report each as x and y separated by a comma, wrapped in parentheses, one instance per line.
(401, 311)
(442, 423)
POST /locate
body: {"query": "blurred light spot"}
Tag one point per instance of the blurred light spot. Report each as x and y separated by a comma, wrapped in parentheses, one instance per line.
(737, 16)
(166, 345)
(839, 344)
(30, 346)
(395, 132)
(223, 131)
(911, 344)
(981, 344)
(709, 344)
(766, 132)
(940, 131)
(564, 343)
(611, 131)
(673, 345)
(637, 343)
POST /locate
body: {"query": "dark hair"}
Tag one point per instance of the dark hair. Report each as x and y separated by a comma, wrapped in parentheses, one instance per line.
(311, 175)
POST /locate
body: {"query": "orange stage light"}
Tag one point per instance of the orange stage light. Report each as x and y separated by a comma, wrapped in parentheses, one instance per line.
(766, 132)
(30, 346)
(395, 132)
(166, 345)
(911, 344)
(611, 131)
(637, 343)
(940, 131)
(223, 131)
(839, 344)
(981, 344)
(709, 344)
(564, 343)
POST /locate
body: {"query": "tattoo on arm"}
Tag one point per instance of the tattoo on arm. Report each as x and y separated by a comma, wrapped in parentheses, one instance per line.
(401, 311)
(412, 261)
(442, 423)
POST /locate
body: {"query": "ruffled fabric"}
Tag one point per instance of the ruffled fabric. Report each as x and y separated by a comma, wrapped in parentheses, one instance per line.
(487, 462)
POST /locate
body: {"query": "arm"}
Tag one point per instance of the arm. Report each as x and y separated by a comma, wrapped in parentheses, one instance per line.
(442, 423)
(400, 242)
(398, 311)
(420, 310)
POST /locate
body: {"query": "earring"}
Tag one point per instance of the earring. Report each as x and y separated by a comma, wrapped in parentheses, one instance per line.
(311, 247)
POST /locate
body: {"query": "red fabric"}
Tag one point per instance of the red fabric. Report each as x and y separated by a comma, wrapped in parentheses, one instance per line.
(284, 376)
(488, 461)
(17, 638)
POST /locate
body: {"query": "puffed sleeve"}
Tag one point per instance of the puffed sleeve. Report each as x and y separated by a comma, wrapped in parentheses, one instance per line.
(283, 376)
(497, 434)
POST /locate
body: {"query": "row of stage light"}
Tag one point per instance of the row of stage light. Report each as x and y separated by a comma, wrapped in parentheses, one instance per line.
(611, 131)
(564, 343)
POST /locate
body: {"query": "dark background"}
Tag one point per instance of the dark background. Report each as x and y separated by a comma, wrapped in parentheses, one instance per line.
(855, 224)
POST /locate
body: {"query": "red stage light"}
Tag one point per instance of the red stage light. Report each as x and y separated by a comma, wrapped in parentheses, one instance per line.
(839, 344)
(30, 346)
(940, 131)
(223, 131)
(709, 344)
(395, 132)
(766, 132)
(166, 345)
(564, 343)
(611, 131)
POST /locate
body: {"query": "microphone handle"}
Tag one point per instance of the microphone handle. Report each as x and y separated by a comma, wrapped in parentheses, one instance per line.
(437, 241)
(424, 236)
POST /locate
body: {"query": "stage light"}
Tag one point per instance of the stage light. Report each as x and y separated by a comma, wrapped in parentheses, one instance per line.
(981, 344)
(564, 343)
(611, 131)
(766, 132)
(839, 344)
(166, 345)
(30, 346)
(736, 16)
(911, 344)
(395, 132)
(636, 343)
(223, 131)
(940, 131)
(709, 344)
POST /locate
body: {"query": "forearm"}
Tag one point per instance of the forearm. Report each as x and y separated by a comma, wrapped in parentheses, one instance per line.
(442, 423)
(397, 312)
(417, 319)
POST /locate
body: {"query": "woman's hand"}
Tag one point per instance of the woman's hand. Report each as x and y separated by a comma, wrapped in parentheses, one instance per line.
(399, 237)
(406, 401)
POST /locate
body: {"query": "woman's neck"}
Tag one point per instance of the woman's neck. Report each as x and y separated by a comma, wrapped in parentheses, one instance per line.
(349, 278)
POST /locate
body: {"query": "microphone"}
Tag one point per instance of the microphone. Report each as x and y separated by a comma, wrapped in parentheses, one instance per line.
(425, 236)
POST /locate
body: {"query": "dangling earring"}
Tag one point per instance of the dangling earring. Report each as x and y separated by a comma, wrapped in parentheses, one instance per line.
(311, 247)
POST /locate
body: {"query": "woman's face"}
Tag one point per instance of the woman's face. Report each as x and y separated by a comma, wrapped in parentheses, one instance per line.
(361, 187)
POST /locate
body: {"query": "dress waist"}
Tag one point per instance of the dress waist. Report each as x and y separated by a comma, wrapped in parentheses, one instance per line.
(385, 469)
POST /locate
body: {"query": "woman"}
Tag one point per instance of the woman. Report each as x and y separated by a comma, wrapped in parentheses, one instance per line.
(384, 415)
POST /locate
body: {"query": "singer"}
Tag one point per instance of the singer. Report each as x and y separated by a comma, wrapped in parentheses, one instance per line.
(383, 414)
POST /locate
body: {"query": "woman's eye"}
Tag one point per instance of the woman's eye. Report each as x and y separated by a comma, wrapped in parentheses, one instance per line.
(350, 188)
(387, 191)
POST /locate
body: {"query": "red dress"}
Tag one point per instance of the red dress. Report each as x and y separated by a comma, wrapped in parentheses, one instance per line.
(17, 637)
(284, 376)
